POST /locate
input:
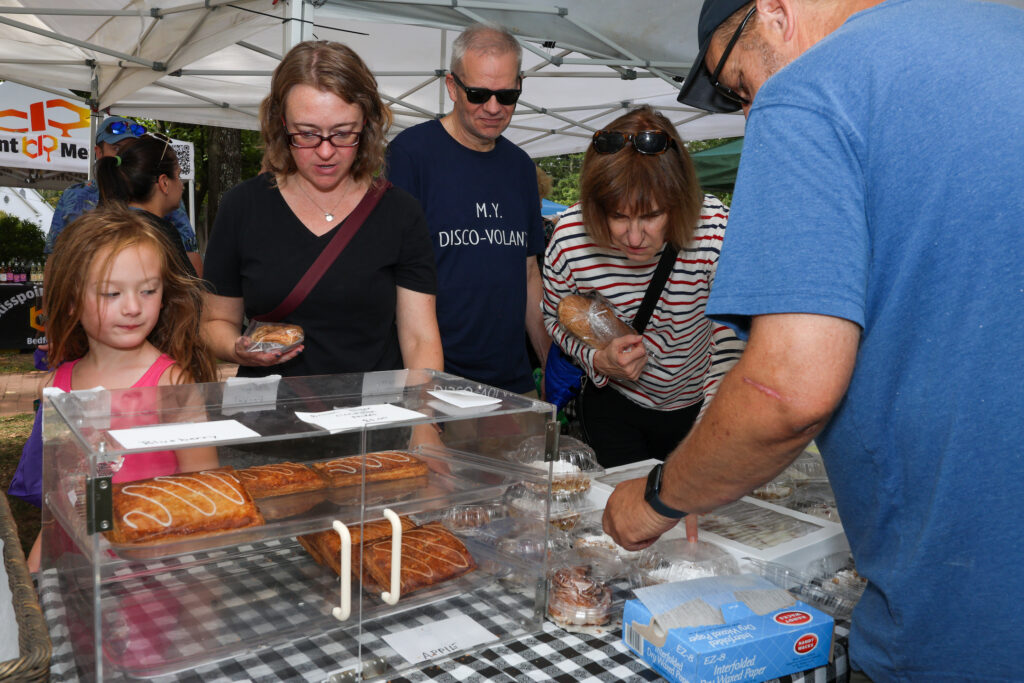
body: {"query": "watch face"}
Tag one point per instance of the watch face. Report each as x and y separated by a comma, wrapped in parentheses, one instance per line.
(653, 483)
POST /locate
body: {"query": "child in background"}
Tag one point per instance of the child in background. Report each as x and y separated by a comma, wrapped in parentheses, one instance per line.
(122, 313)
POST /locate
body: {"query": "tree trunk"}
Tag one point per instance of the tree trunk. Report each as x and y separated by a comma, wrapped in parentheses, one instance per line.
(224, 171)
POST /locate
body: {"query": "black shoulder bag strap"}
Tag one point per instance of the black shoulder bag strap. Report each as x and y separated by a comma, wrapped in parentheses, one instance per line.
(658, 280)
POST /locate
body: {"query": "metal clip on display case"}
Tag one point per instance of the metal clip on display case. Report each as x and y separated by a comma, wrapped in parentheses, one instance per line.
(349, 507)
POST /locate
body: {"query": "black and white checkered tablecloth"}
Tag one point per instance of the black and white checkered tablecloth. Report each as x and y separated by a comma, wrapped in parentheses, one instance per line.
(270, 602)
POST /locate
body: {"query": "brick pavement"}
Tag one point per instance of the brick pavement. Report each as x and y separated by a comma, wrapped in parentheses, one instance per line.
(17, 391)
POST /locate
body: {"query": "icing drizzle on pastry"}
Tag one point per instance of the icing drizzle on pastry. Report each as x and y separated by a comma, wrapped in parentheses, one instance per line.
(285, 468)
(376, 461)
(194, 490)
(429, 544)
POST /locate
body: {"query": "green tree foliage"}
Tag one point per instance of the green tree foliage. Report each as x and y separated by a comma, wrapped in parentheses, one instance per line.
(564, 170)
(20, 239)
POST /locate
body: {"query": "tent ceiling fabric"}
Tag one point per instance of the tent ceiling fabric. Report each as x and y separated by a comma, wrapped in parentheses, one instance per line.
(208, 61)
(213, 59)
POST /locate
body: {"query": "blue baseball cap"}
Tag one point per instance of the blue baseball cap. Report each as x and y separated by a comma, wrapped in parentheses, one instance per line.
(697, 90)
(117, 128)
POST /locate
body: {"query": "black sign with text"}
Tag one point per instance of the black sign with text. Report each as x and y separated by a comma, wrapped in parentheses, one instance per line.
(20, 306)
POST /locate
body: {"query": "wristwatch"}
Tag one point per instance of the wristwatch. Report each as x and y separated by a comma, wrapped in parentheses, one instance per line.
(652, 491)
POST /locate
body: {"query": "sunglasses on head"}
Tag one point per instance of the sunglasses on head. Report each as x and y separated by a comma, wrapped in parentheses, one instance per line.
(162, 138)
(644, 142)
(122, 127)
(505, 97)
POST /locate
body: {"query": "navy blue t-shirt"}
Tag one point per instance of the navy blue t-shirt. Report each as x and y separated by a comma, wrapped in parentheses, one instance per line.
(483, 210)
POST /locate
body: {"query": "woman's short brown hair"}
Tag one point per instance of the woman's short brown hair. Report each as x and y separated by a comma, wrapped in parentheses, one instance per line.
(334, 68)
(629, 181)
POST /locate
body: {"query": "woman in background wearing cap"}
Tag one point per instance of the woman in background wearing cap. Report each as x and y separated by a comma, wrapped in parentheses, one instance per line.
(639, 196)
(323, 127)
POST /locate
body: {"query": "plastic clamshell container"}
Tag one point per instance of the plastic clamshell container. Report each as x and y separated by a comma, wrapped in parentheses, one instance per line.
(752, 528)
(677, 559)
(578, 596)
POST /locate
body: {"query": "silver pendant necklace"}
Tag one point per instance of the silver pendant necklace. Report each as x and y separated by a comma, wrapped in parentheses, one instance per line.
(328, 215)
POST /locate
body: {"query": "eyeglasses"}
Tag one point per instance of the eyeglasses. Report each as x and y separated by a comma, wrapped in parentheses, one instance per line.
(309, 139)
(122, 127)
(725, 90)
(506, 97)
(644, 142)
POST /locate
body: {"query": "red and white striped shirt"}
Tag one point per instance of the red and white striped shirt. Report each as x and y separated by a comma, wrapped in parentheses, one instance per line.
(687, 353)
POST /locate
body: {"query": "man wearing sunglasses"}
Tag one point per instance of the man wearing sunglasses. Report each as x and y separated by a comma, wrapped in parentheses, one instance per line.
(112, 135)
(479, 193)
(874, 260)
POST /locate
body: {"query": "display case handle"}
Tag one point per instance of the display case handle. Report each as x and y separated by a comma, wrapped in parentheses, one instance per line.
(391, 596)
(342, 613)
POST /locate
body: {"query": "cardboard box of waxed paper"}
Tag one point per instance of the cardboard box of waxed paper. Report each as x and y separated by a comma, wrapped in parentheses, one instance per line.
(725, 629)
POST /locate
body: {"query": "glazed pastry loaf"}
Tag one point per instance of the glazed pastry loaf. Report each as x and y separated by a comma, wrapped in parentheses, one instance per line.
(181, 506)
(591, 320)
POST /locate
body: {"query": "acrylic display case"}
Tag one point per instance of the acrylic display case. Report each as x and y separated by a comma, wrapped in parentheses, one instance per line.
(146, 609)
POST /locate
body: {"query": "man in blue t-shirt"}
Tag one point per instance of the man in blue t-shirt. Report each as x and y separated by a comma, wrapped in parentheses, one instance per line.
(874, 260)
(479, 193)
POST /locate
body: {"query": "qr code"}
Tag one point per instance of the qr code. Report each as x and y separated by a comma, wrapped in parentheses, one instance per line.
(184, 159)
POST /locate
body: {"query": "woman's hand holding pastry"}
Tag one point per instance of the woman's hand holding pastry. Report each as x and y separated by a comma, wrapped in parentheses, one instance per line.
(623, 358)
(261, 358)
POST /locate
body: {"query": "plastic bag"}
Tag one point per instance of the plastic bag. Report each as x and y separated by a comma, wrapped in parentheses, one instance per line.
(591, 319)
(562, 378)
(269, 337)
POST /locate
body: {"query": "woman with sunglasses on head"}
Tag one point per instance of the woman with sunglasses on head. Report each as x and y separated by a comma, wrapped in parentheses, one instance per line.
(640, 203)
(372, 308)
(145, 175)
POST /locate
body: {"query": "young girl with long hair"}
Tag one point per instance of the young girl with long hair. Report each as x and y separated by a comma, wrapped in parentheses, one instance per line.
(122, 314)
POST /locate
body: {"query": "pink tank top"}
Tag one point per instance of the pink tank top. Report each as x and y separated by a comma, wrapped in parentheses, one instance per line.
(136, 465)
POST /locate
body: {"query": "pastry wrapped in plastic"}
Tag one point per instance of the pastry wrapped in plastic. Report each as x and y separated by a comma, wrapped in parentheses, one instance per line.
(268, 337)
(577, 598)
(592, 320)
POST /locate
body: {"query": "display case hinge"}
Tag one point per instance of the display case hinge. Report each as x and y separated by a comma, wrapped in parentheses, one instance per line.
(99, 502)
(551, 430)
(371, 669)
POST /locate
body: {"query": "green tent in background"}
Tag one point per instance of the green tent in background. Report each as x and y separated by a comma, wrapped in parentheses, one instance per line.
(716, 167)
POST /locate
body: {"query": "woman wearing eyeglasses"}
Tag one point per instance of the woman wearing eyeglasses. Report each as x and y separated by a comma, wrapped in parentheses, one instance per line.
(323, 127)
(145, 175)
(640, 202)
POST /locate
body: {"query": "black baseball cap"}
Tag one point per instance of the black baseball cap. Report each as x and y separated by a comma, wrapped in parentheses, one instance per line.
(697, 90)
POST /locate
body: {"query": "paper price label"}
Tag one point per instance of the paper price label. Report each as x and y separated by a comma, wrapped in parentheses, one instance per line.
(439, 639)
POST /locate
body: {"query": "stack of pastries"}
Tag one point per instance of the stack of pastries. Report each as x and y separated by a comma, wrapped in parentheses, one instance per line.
(430, 554)
(196, 504)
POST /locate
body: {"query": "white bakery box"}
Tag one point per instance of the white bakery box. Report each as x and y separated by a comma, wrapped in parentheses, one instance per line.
(750, 527)
(140, 607)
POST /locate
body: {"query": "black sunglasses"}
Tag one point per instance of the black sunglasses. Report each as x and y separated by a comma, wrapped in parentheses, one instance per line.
(122, 127)
(725, 90)
(505, 97)
(644, 142)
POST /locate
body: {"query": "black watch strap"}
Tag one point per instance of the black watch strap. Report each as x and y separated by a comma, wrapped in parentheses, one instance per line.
(652, 491)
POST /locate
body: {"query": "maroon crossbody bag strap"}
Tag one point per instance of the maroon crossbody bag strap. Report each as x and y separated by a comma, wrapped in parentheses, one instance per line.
(330, 254)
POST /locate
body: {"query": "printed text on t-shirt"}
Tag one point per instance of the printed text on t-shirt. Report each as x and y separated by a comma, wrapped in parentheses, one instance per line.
(473, 237)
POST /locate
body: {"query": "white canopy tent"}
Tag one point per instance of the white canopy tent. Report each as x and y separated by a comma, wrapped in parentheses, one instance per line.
(210, 62)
